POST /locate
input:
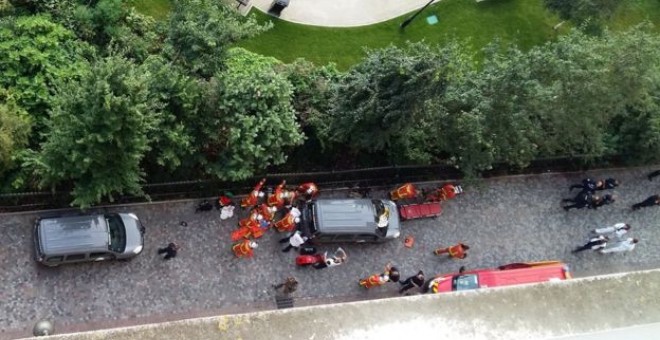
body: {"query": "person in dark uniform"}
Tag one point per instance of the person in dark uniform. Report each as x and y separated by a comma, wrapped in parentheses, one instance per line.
(649, 202)
(581, 200)
(653, 174)
(595, 243)
(593, 185)
(598, 202)
(416, 280)
(170, 251)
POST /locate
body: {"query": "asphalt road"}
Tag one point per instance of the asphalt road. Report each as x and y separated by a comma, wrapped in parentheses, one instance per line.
(509, 219)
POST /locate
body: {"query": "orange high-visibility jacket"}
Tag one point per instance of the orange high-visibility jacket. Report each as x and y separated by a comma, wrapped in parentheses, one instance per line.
(405, 191)
(252, 199)
(243, 249)
(286, 224)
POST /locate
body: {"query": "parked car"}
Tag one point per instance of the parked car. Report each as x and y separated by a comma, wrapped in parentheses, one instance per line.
(507, 275)
(61, 240)
(350, 220)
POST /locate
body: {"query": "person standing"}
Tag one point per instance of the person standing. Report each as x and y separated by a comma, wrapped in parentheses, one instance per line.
(617, 230)
(295, 240)
(289, 285)
(593, 244)
(649, 202)
(170, 251)
(621, 246)
(457, 251)
(416, 280)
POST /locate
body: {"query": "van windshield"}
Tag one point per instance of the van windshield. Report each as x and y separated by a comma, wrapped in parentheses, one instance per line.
(381, 213)
(117, 241)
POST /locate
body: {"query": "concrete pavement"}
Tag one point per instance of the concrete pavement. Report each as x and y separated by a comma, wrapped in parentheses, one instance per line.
(504, 220)
(606, 305)
(342, 13)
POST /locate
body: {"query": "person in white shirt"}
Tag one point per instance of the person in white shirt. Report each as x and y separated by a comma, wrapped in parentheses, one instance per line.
(295, 241)
(338, 258)
(617, 230)
(295, 212)
(621, 246)
(593, 244)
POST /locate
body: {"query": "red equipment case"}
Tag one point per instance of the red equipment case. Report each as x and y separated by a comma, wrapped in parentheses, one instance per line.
(421, 210)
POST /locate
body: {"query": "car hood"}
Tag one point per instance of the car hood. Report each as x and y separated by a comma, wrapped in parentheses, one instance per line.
(134, 236)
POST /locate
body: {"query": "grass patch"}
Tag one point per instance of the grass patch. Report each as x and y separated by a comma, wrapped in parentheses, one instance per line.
(631, 13)
(525, 22)
(158, 9)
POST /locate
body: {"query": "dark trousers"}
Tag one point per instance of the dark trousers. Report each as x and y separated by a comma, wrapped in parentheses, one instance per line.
(170, 253)
(576, 205)
(409, 283)
(576, 186)
(587, 246)
(654, 174)
(320, 265)
(649, 202)
(289, 246)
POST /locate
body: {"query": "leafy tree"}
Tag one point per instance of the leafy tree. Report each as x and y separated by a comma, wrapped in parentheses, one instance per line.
(381, 104)
(100, 131)
(250, 122)
(201, 31)
(312, 88)
(589, 12)
(634, 78)
(180, 96)
(14, 130)
(34, 52)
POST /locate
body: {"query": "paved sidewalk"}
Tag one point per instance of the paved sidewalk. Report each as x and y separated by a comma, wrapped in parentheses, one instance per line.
(342, 13)
(504, 220)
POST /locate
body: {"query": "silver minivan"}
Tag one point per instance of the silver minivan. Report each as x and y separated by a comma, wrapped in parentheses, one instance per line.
(85, 238)
(350, 220)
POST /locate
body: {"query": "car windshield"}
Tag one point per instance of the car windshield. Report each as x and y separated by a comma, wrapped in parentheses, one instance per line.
(465, 282)
(381, 213)
(117, 242)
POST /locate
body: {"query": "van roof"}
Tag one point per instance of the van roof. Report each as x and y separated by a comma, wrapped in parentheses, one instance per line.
(346, 215)
(69, 235)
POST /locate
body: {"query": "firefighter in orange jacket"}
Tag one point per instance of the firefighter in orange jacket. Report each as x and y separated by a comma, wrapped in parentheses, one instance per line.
(276, 199)
(288, 223)
(308, 190)
(405, 191)
(391, 274)
(253, 198)
(457, 251)
(244, 248)
(447, 192)
(265, 211)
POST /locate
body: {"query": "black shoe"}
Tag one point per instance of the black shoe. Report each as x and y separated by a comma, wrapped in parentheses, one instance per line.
(650, 178)
(566, 208)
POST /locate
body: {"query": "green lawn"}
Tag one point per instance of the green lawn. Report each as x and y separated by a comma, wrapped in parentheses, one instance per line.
(525, 22)
(159, 9)
(636, 11)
